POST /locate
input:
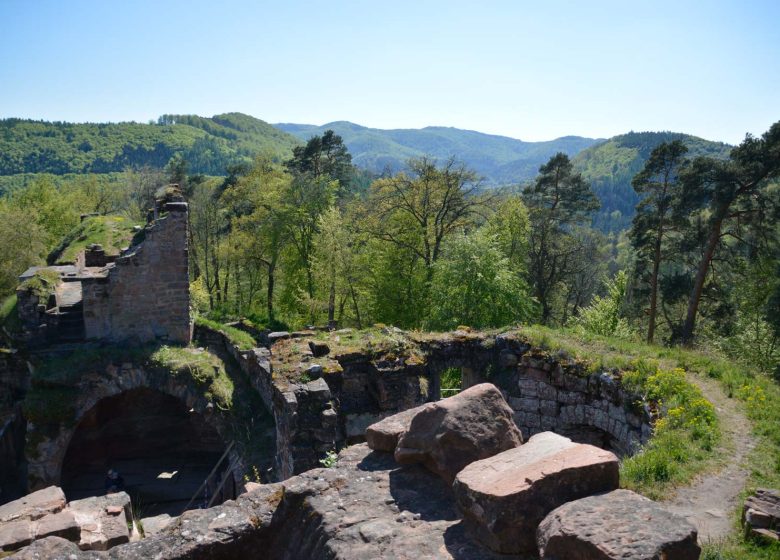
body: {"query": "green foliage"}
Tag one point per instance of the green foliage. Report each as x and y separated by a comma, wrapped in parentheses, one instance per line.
(610, 166)
(330, 459)
(474, 285)
(683, 437)
(604, 316)
(205, 369)
(9, 315)
(112, 232)
(240, 338)
(208, 145)
(42, 283)
(501, 160)
(451, 381)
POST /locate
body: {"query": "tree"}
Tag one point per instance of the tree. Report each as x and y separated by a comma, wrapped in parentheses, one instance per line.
(323, 156)
(731, 192)
(335, 252)
(473, 284)
(260, 205)
(604, 316)
(510, 225)
(418, 210)
(658, 183)
(558, 200)
(22, 244)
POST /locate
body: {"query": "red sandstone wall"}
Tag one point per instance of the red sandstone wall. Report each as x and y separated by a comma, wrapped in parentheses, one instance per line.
(146, 294)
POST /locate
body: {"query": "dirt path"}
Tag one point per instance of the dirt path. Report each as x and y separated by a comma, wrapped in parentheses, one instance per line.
(709, 502)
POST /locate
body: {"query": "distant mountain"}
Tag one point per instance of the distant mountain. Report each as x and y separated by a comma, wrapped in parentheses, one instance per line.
(211, 144)
(499, 159)
(609, 166)
(208, 144)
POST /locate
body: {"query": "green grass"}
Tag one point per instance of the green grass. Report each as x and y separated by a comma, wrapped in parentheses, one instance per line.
(238, 337)
(112, 232)
(9, 315)
(42, 283)
(203, 367)
(451, 381)
(53, 393)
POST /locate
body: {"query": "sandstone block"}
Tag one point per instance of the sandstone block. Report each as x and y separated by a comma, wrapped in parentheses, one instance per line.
(154, 525)
(616, 525)
(62, 524)
(504, 498)
(384, 435)
(446, 436)
(34, 506)
(101, 528)
(16, 534)
(761, 514)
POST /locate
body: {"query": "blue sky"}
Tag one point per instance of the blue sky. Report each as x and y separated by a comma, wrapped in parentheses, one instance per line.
(531, 70)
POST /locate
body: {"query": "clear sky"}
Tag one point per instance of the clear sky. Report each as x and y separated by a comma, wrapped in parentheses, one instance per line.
(533, 70)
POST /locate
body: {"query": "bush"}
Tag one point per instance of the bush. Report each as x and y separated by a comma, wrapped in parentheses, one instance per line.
(603, 316)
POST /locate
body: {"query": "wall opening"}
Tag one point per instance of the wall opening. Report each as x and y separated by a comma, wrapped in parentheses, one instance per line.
(451, 382)
(162, 450)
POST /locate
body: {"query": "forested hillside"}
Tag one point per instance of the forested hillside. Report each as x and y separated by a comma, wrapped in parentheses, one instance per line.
(609, 167)
(208, 145)
(499, 159)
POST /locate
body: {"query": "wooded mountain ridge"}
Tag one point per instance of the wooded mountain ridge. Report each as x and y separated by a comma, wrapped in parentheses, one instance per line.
(210, 145)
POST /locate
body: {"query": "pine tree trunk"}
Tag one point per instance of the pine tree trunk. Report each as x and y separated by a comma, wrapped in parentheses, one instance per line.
(654, 287)
(270, 291)
(701, 275)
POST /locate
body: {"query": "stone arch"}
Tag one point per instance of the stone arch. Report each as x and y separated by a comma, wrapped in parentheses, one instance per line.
(45, 462)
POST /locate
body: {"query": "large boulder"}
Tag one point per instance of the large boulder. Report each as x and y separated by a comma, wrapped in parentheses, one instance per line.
(615, 526)
(447, 435)
(761, 515)
(384, 435)
(505, 497)
(34, 506)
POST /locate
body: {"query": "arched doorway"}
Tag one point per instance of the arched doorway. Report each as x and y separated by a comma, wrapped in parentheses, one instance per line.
(162, 449)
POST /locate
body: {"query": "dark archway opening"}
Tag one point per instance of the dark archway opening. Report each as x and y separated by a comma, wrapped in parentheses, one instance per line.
(162, 450)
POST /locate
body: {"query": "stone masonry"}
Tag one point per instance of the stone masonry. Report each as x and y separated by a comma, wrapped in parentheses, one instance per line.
(145, 295)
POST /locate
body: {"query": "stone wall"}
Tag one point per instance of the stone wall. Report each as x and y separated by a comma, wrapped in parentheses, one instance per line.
(48, 445)
(304, 414)
(335, 398)
(145, 295)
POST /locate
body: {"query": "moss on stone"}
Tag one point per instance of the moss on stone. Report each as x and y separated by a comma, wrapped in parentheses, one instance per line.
(9, 315)
(241, 339)
(111, 232)
(42, 284)
(205, 369)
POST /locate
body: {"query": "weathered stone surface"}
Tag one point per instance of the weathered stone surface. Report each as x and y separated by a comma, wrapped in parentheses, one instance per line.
(365, 507)
(505, 497)
(101, 527)
(384, 435)
(446, 436)
(62, 524)
(318, 348)
(616, 525)
(761, 514)
(35, 505)
(154, 525)
(53, 548)
(278, 335)
(16, 534)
